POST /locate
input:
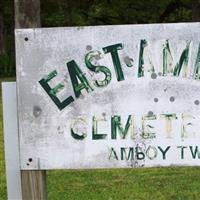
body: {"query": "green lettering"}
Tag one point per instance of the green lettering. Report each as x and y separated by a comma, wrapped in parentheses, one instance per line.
(53, 91)
(113, 49)
(187, 121)
(124, 153)
(182, 150)
(145, 63)
(168, 67)
(77, 76)
(146, 132)
(75, 128)
(197, 65)
(139, 154)
(195, 153)
(97, 69)
(151, 152)
(116, 126)
(168, 119)
(164, 151)
(95, 134)
(113, 154)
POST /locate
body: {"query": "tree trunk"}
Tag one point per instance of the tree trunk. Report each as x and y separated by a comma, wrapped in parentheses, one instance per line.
(195, 10)
(27, 13)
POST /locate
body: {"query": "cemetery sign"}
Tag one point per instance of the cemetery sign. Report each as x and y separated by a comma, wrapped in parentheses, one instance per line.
(109, 96)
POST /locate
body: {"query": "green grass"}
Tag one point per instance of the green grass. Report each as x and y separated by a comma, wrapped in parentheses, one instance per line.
(2, 162)
(118, 184)
(126, 184)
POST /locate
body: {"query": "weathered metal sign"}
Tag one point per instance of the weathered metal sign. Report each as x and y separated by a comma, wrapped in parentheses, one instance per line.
(109, 96)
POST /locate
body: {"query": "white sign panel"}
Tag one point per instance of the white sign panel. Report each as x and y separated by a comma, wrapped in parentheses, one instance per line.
(109, 96)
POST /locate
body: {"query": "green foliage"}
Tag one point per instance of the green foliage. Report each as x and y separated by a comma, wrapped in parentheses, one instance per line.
(51, 14)
(94, 12)
(7, 60)
(180, 15)
(103, 12)
(7, 66)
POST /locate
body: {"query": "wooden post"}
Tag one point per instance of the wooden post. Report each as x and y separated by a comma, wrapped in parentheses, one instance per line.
(27, 13)
(34, 185)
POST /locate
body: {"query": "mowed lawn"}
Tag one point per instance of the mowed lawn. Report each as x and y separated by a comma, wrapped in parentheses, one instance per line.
(115, 184)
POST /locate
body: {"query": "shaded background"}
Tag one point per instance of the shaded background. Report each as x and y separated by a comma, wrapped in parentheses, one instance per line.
(51, 13)
(171, 183)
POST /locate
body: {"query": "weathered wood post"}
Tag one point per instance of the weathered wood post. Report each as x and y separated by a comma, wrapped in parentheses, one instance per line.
(27, 15)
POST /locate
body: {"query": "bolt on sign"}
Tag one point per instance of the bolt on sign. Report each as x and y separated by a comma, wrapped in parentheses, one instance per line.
(109, 96)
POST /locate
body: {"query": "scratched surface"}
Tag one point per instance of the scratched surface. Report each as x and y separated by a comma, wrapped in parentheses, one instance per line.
(163, 107)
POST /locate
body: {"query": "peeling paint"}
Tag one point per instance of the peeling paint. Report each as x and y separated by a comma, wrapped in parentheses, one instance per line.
(129, 98)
